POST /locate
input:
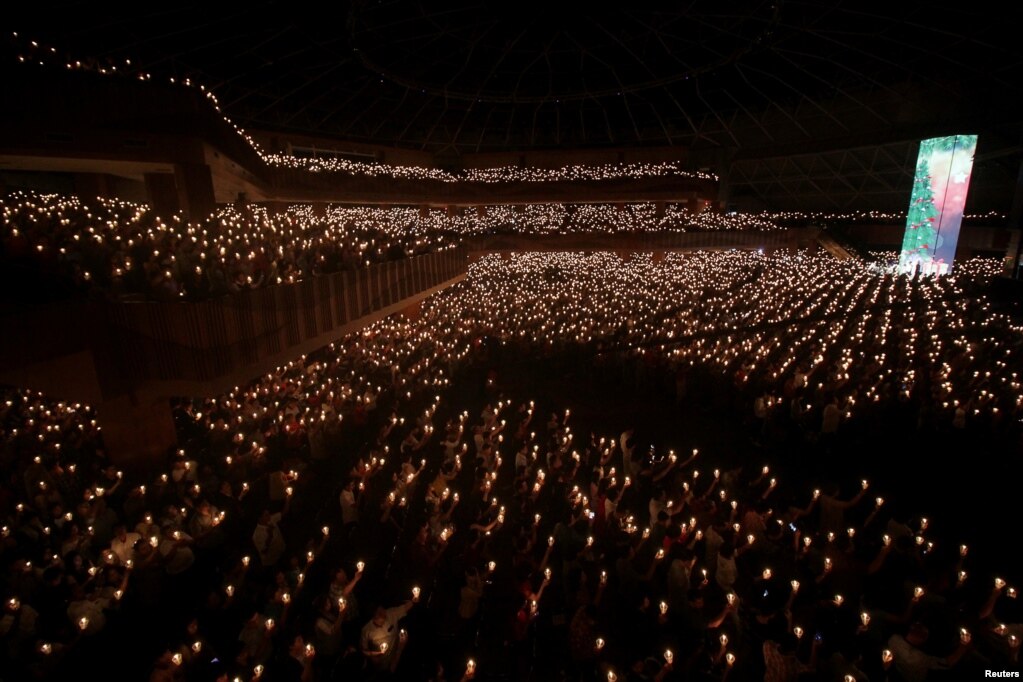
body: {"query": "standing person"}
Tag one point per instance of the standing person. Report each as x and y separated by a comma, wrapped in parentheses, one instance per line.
(830, 420)
(268, 539)
(382, 641)
(630, 467)
(349, 505)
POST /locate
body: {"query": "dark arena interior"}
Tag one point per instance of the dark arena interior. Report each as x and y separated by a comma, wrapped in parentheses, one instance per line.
(459, 341)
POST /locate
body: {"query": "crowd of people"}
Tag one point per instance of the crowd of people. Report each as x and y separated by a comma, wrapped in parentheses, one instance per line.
(118, 248)
(500, 174)
(388, 508)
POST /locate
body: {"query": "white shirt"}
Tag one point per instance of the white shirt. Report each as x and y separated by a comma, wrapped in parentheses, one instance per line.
(349, 512)
(268, 541)
(125, 549)
(373, 636)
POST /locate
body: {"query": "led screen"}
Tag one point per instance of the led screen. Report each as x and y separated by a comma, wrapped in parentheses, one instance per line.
(942, 176)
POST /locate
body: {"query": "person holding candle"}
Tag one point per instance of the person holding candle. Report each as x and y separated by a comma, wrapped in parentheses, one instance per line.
(267, 538)
(912, 662)
(381, 639)
(781, 662)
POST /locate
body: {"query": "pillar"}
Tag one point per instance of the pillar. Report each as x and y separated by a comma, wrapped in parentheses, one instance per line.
(194, 183)
(162, 193)
(1014, 251)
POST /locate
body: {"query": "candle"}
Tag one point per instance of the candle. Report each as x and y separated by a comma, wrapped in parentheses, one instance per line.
(415, 593)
